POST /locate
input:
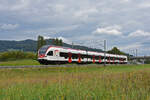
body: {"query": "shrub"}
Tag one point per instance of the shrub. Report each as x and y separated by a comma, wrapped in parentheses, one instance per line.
(16, 55)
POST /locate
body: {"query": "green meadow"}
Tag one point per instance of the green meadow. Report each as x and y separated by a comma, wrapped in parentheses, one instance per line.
(116, 82)
(19, 62)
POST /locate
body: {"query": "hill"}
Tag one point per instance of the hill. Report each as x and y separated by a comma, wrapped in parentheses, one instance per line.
(31, 45)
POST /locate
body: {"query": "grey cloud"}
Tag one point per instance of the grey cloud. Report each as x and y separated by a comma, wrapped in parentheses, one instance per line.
(74, 20)
(8, 26)
(109, 30)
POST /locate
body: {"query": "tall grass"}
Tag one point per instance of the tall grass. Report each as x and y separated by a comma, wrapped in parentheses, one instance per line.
(21, 62)
(76, 83)
(17, 55)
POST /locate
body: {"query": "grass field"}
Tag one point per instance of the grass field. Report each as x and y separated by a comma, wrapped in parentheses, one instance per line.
(20, 62)
(122, 82)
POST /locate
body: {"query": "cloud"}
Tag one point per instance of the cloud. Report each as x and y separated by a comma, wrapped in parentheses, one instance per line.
(65, 40)
(52, 30)
(144, 5)
(20, 5)
(47, 37)
(9, 26)
(125, 1)
(85, 12)
(139, 33)
(76, 21)
(131, 46)
(110, 30)
(59, 8)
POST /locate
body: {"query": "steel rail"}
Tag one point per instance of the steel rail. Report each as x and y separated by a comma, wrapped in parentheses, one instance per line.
(48, 66)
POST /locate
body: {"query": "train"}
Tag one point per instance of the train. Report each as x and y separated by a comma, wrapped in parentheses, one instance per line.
(50, 54)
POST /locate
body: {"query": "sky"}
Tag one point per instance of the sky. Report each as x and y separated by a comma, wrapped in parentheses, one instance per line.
(122, 23)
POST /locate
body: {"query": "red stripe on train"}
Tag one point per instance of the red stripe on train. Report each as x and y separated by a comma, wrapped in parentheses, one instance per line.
(100, 59)
(113, 60)
(93, 59)
(79, 58)
(69, 59)
(41, 55)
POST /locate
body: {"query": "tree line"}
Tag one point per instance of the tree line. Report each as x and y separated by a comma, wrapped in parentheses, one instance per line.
(41, 41)
(17, 55)
(115, 50)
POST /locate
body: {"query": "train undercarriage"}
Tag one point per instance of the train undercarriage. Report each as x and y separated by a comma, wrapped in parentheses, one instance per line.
(46, 62)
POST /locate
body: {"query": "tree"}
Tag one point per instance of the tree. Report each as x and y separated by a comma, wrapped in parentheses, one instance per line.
(115, 50)
(40, 42)
(60, 42)
(57, 42)
(53, 41)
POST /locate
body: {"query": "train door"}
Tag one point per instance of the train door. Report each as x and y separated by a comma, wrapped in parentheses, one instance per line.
(100, 59)
(56, 54)
(69, 59)
(120, 61)
(93, 59)
(113, 60)
(108, 60)
(79, 58)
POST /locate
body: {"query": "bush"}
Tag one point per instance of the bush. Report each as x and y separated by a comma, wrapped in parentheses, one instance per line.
(16, 55)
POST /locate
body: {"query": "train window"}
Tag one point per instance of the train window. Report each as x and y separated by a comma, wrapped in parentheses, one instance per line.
(86, 56)
(43, 49)
(124, 58)
(111, 58)
(89, 56)
(50, 53)
(74, 56)
(97, 57)
(63, 54)
(120, 59)
(116, 58)
(83, 56)
(102, 57)
(107, 58)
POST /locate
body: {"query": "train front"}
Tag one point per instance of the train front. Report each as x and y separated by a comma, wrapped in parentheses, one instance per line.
(42, 54)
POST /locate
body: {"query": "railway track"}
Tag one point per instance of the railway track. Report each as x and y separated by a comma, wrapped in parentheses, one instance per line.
(34, 66)
(45, 66)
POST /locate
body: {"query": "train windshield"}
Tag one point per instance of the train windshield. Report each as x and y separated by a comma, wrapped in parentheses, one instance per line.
(43, 49)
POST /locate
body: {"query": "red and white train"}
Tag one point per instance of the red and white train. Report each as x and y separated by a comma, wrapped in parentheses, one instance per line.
(49, 54)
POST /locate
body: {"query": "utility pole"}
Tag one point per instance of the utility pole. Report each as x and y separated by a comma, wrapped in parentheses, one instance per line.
(136, 55)
(104, 52)
(144, 60)
(72, 45)
(136, 52)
